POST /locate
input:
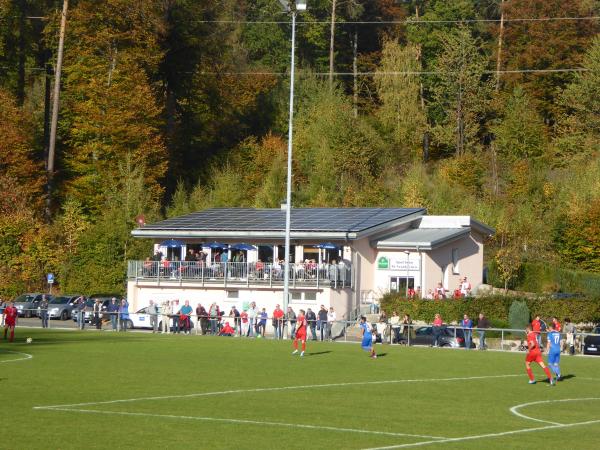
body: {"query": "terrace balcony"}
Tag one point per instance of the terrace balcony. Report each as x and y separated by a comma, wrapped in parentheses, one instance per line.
(239, 274)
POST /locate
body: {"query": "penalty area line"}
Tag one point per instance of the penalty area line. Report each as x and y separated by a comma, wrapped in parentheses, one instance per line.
(27, 356)
(273, 389)
(246, 421)
(483, 436)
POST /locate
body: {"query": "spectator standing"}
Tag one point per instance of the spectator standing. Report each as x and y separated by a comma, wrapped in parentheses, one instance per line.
(331, 317)
(44, 311)
(153, 312)
(252, 313)
(465, 287)
(167, 310)
(113, 312)
(571, 332)
(97, 311)
(213, 313)
(3, 305)
(406, 326)
(467, 326)
(440, 292)
(175, 315)
(482, 324)
(437, 330)
(81, 313)
(202, 319)
(278, 322)
(123, 315)
(311, 320)
(395, 324)
(235, 315)
(262, 323)
(323, 322)
(185, 315)
(244, 322)
(291, 322)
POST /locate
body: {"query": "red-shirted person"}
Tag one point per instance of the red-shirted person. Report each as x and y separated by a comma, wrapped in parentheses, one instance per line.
(535, 355)
(227, 330)
(10, 320)
(536, 326)
(278, 322)
(300, 332)
(557, 325)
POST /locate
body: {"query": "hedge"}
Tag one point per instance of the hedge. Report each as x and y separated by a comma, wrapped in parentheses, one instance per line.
(546, 277)
(496, 308)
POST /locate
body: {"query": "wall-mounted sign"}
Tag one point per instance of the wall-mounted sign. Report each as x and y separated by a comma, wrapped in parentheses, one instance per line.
(401, 264)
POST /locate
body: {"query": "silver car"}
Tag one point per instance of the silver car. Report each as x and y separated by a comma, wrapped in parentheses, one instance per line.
(27, 304)
(62, 307)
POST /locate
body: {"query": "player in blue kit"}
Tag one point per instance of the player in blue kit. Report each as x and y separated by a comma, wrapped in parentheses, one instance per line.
(553, 348)
(367, 337)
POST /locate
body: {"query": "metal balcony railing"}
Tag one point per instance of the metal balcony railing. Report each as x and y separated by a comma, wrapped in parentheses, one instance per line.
(241, 273)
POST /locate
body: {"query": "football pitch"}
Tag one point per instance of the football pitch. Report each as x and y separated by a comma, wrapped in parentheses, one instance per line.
(73, 390)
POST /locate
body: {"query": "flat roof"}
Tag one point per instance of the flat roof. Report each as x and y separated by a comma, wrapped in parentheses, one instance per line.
(422, 238)
(340, 223)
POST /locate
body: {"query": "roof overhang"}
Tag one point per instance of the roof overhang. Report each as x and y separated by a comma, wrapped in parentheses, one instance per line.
(421, 238)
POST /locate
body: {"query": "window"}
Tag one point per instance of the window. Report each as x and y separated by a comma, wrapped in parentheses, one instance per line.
(399, 284)
(296, 296)
(310, 296)
(233, 294)
(455, 270)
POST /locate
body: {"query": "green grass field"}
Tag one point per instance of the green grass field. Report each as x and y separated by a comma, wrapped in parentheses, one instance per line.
(134, 390)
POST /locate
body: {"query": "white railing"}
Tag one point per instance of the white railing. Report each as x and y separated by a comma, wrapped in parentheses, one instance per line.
(240, 273)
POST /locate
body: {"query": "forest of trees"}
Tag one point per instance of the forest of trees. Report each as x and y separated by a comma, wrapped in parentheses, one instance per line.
(489, 108)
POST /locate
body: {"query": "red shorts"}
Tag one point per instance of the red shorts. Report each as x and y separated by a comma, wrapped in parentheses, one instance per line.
(534, 357)
(301, 336)
(9, 323)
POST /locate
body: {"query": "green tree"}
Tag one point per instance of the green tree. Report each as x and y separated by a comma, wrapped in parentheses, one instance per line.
(461, 93)
(401, 111)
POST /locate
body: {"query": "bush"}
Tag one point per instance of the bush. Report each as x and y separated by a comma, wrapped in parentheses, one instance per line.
(518, 315)
(496, 308)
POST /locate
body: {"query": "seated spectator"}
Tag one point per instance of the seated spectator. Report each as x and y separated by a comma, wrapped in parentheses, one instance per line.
(227, 330)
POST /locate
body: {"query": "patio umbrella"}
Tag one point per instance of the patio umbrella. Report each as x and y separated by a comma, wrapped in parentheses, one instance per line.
(242, 246)
(172, 243)
(327, 246)
(214, 245)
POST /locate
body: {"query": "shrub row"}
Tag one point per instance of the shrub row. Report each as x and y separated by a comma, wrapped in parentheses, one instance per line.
(496, 308)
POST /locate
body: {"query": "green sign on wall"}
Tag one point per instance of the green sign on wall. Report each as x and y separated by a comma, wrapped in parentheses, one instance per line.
(383, 263)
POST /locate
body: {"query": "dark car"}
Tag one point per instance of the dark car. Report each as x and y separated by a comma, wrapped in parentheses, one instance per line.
(450, 337)
(591, 343)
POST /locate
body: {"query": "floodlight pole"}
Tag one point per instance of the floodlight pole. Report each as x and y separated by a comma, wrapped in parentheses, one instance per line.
(288, 201)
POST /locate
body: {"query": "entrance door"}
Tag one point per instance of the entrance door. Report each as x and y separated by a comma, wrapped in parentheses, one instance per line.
(399, 284)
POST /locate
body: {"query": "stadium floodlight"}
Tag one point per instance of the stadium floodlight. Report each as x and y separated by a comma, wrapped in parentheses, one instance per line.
(291, 6)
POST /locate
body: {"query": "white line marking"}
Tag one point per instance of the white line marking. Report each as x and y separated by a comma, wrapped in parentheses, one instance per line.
(27, 356)
(245, 421)
(515, 409)
(503, 433)
(482, 436)
(271, 389)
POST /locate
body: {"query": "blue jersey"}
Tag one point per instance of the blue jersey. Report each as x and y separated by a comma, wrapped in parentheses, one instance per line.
(554, 338)
(367, 340)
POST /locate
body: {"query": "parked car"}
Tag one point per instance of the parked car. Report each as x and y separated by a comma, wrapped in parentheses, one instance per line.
(61, 307)
(591, 344)
(450, 337)
(27, 304)
(141, 319)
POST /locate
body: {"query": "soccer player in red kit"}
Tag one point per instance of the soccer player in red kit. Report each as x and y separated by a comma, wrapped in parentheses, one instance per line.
(300, 332)
(10, 320)
(535, 355)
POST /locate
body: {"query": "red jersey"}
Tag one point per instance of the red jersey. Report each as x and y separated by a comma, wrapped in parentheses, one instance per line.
(244, 316)
(10, 312)
(301, 325)
(278, 314)
(536, 325)
(532, 343)
(557, 325)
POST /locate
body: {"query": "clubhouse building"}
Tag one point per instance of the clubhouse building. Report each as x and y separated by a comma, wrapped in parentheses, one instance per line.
(341, 257)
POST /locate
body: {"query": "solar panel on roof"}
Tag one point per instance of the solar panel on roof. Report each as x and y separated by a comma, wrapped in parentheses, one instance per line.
(302, 219)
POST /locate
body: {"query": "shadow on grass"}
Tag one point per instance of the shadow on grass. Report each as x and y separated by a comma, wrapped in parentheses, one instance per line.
(381, 355)
(318, 353)
(567, 377)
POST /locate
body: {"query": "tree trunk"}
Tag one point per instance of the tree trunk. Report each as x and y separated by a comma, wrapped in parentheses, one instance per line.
(500, 36)
(331, 43)
(355, 72)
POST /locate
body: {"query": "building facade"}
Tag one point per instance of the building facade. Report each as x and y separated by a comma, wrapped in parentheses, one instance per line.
(340, 257)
